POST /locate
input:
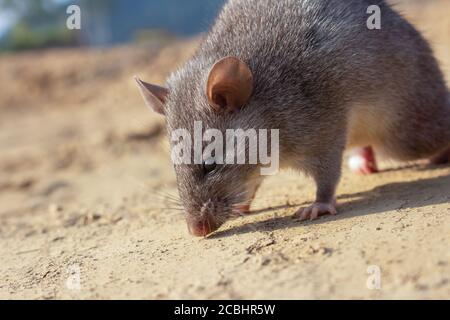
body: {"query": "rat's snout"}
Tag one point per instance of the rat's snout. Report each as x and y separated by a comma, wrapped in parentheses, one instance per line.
(203, 222)
(201, 226)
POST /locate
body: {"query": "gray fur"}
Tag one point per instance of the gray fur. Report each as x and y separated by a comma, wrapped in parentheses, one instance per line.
(324, 80)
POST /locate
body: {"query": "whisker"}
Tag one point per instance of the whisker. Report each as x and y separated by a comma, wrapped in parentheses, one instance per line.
(166, 195)
(173, 202)
(175, 209)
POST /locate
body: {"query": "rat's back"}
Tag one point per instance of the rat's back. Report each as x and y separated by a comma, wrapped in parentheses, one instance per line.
(292, 39)
(317, 60)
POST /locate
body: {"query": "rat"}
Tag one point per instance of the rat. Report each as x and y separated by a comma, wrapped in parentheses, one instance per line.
(313, 70)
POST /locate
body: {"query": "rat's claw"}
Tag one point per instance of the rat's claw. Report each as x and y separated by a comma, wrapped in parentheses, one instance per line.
(314, 211)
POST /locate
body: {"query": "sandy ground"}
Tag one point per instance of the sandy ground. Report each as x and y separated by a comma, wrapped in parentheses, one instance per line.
(83, 172)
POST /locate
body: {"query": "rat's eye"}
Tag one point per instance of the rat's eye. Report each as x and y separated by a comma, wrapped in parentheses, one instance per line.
(209, 165)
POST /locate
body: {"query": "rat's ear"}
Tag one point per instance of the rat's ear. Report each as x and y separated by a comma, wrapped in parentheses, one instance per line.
(154, 96)
(230, 84)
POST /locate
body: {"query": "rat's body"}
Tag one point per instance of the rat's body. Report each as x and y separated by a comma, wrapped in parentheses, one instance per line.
(325, 81)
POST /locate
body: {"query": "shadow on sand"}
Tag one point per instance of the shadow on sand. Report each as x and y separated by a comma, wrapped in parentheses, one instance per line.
(393, 196)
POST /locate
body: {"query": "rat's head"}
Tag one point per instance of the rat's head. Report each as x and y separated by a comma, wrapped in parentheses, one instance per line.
(214, 96)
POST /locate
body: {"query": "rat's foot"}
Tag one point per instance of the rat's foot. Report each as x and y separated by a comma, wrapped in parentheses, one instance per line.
(362, 161)
(245, 208)
(441, 158)
(313, 211)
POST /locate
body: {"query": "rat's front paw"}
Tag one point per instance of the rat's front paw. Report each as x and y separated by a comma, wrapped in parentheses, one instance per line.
(244, 209)
(314, 211)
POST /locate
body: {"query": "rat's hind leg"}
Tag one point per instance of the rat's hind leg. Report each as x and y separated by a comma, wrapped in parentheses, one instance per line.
(428, 140)
(362, 161)
(420, 126)
(442, 157)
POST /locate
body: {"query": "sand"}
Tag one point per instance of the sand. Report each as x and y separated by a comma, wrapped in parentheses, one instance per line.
(84, 170)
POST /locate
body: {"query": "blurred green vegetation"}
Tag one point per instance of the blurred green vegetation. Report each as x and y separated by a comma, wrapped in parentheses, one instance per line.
(23, 37)
(42, 23)
(146, 36)
(39, 24)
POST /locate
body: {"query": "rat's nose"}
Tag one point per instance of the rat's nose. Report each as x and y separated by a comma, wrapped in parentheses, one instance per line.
(201, 226)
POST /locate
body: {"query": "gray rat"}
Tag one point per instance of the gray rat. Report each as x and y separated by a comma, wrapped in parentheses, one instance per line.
(316, 72)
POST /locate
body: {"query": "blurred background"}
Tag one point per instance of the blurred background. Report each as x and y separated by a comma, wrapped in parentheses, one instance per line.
(32, 24)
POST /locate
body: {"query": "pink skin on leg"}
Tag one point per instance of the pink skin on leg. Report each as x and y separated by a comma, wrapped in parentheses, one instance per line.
(362, 161)
(245, 208)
